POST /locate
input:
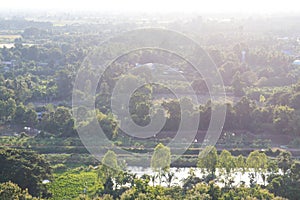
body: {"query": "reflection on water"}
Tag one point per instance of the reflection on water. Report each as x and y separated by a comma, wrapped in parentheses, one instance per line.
(183, 173)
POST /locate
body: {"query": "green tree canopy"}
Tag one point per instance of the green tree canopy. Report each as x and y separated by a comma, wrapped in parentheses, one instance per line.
(208, 159)
(25, 168)
(11, 191)
(161, 158)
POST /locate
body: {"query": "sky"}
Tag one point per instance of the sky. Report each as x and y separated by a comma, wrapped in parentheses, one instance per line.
(200, 6)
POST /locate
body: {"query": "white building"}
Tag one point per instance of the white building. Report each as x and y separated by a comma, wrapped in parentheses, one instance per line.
(296, 62)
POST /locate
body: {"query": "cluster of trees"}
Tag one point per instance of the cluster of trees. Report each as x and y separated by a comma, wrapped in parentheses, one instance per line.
(280, 177)
(46, 72)
(9, 190)
(288, 96)
(244, 115)
(58, 121)
(27, 169)
(256, 163)
(11, 111)
(257, 67)
(257, 111)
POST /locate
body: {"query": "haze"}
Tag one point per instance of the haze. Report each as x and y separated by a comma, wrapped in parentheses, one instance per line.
(211, 6)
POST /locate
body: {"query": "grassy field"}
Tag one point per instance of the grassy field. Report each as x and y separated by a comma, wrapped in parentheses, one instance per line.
(70, 184)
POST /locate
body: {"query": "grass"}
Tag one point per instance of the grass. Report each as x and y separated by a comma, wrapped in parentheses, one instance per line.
(71, 184)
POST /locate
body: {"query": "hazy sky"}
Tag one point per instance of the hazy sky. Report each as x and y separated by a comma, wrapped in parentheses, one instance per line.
(207, 6)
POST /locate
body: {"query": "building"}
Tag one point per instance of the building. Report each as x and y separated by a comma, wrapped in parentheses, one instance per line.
(296, 63)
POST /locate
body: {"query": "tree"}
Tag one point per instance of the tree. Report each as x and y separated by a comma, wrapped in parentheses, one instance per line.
(257, 161)
(226, 163)
(64, 121)
(205, 115)
(25, 116)
(208, 160)
(244, 109)
(199, 191)
(282, 118)
(129, 194)
(64, 84)
(238, 85)
(25, 168)
(110, 160)
(295, 171)
(161, 160)
(6, 93)
(108, 124)
(110, 166)
(7, 109)
(10, 107)
(240, 163)
(59, 122)
(9, 191)
(230, 119)
(190, 181)
(284, 161)
(199, 86)
(139, 105)
(272, 167)
(108, 171)
(295, 100)
(173, 114)
(228, 70)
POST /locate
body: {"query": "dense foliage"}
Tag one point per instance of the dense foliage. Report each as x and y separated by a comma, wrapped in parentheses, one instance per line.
(254, 58)
(25, 168)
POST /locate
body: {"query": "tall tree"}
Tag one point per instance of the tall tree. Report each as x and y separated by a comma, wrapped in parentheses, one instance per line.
(161, 160)
(226, 164)
(240, 163)
(110, 160)
(257, 161)
(208, 160)
(284, 160)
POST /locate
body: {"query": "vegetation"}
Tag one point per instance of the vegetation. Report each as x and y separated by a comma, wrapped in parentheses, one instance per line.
(10, 190)
(25, 168)
(42, 155)
(161, 160)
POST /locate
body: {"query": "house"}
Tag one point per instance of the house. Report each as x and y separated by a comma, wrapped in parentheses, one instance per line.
(7, 65)
(151, 66)
(42, 64)
(296, 63)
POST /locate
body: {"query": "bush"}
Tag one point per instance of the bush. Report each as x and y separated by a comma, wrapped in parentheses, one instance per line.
(9, 191)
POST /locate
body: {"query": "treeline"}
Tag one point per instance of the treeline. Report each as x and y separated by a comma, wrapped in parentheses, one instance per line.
(280, 177)
(267, 115)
